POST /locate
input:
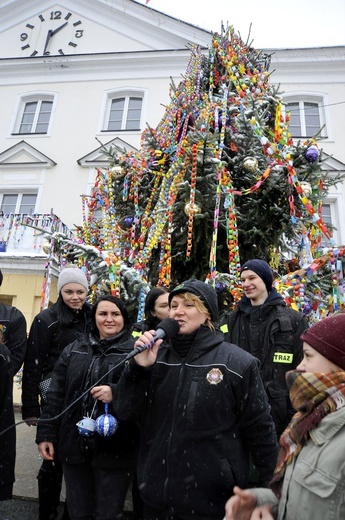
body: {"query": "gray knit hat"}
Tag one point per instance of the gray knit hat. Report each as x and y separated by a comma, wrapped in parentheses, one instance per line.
(203, 290)
(72, 275)
(262, 269)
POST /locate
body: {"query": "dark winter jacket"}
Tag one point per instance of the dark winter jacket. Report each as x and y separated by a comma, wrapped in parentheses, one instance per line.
(201, 417)
(8, 439)
(271, 332)
(47, 339)
(13, 327)
(141, 326)
(79, 368)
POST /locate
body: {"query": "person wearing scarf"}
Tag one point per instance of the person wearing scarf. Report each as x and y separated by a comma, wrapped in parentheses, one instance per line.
(202, 410)
(309, 478)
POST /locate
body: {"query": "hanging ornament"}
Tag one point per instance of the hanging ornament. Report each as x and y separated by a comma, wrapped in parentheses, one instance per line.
(127, 222)
(306, 188)
(220, 287)
(220, 122)
(312, 154)
(187, 209)
(250, 164)
(86, 426)
(117, 171)
(106, 425)
(46, 247)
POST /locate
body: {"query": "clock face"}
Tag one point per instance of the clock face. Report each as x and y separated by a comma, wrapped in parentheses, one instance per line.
(51, 33)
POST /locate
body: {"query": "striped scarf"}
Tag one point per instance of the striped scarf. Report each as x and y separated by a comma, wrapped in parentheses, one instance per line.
(313, 396)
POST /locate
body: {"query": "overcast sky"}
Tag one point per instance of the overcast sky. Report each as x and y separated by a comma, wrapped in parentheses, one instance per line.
(293, 23)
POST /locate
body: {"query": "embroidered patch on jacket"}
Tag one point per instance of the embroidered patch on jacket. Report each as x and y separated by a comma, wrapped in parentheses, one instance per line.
(282, 357)
(214, 376)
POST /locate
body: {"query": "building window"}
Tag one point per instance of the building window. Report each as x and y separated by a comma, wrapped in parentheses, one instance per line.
(24, 203)
(36, 117)
(124, 112)
(34, 114)
(328, 217)
(307, 116)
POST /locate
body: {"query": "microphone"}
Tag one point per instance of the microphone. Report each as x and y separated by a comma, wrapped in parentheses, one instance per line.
(167, 328)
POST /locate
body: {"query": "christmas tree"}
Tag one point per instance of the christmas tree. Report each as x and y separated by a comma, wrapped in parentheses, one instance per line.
(219, 181)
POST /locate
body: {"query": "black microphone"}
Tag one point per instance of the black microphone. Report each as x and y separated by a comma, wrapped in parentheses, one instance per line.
(167, 328)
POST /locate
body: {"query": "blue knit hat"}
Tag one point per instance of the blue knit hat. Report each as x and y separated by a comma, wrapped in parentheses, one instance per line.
(262, 269)
(203, 290)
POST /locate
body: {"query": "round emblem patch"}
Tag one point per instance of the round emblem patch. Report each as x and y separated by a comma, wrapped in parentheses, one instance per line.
(214, 376)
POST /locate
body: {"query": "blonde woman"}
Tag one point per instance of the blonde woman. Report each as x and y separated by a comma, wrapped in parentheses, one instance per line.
(202, 410)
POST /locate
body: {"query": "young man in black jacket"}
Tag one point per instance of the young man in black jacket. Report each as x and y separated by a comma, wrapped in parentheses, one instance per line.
(265, 326)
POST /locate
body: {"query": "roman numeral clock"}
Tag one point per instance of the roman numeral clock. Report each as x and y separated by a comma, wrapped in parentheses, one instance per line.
(51, 33)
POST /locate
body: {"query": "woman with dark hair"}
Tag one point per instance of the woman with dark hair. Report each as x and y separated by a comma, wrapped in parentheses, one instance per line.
(202, 409)
(156, 309)
(51, 331)
(98, 463)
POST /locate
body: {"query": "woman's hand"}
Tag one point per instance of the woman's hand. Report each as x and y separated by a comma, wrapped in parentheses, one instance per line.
(46, 450)
(149, 355)
(31, 421)
(262, 513)
(102, 393)
(241, 505)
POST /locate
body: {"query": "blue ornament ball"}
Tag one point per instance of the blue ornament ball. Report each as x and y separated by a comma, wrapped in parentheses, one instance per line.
(106, 424)
(220, 287)
(86, 427)
(312, 154)
(127, 222)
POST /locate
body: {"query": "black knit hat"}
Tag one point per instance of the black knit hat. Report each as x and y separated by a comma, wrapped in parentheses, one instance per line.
(327, 336)
(204, 291)
(262, 269)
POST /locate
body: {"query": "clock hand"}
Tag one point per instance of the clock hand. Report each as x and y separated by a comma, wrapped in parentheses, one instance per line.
(58, 29)
(49, 35)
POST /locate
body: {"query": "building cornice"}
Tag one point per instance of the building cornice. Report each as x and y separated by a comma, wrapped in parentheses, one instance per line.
(150, 64)
(295, 65)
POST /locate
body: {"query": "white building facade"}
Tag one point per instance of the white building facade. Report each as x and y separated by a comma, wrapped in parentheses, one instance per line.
(79, 72)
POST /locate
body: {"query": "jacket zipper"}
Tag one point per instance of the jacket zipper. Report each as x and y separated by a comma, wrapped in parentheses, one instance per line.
(171, 435)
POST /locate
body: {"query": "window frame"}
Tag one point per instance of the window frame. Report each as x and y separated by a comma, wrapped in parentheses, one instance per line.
(126, 93)
(333, 203)
(319, 99)
(33, 97)
(19, 201)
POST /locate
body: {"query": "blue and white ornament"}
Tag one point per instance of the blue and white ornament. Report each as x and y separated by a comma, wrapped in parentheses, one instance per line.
(312, 154)
(86, 426)
(106, 424)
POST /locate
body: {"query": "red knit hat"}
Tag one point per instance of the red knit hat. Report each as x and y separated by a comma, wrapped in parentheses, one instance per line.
(328, 338)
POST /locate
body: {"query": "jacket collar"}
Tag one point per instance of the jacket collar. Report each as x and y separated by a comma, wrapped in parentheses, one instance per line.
(104, 344)
(273, 298)
(205, 341)
(328, 427)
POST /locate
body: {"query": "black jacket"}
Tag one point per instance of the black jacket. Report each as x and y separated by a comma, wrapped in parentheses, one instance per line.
(271, 332)
(47, 339)
(79, 367)
(201, 417)
(8, 439)
(13, 327)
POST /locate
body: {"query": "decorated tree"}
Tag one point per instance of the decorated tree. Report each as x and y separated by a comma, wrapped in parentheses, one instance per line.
(219, 181)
